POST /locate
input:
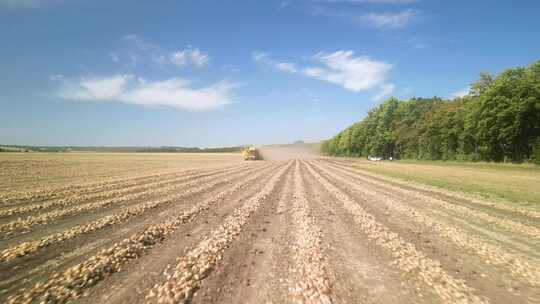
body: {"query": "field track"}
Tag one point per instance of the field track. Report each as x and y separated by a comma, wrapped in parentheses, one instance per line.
(291, 231)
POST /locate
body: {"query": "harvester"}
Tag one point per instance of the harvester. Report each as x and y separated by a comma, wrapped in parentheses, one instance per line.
(251, 154)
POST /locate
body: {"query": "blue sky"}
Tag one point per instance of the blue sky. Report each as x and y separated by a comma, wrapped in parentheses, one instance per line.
(213, 73)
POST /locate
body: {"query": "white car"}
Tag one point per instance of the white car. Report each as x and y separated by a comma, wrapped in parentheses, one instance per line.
(374, 158)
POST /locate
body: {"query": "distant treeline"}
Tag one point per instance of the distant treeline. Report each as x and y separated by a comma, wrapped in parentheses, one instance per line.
(499, 120)
(192, 150)
(48, 149)
(17, 148)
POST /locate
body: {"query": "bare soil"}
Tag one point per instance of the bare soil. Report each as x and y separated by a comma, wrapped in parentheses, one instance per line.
(300, 229)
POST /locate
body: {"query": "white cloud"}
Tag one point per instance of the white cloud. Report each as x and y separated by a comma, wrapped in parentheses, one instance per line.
(353, 73)
(284, 4)
(19, 3)
(140, 50)
(230, 68)
(178, 58)
(386, 90)
(174, 92)
(461, 93)
(341, 68)
(136, 51)
(375, 1)
(189, 56)
(56, 77)
(27, 3)
(264, 58)
(383, 20)
(199, 58)
(389, 20)
(286, 67)
(141, 43)
(115, 58)
(97, 88)
(260, 57)
(421, 45)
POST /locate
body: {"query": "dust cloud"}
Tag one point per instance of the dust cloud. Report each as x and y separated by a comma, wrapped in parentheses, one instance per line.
(286, 152)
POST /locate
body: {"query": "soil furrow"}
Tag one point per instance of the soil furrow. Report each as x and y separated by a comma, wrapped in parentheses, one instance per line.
(30, 222)
(132, 283)
(363, 271)
(70, 284)
(407, 258)
(40, 195)
(503, 223)
(255, 267)
(65, 223)
(186, 276)
(20, 197)
(311, 281)
(200, 228)
(521, 268)
(107, 221)
(120, 190)
(30, 269)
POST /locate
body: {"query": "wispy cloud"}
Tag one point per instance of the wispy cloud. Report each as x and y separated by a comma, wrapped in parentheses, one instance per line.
(140, 50)
(189, 56)
(371, 1)
(230, 68)
(141, 43)
(421, 45)
(285, 4)
(386, 90)
(264, 58)
(354, 73)
(136, 50)
(114, 57)
(173, 92)
(19, 3)
(56, 77)
(27, 3)
(461, 93)
(383, 20)
(388, 20)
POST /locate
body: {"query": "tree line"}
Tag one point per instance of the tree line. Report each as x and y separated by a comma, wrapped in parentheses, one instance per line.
(498, 120)
(164, 149)
(192, 150)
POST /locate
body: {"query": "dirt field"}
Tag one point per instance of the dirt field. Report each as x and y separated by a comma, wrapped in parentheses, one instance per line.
(22, 172)
(213, 229)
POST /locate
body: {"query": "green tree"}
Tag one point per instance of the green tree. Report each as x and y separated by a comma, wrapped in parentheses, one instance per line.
(498, 121)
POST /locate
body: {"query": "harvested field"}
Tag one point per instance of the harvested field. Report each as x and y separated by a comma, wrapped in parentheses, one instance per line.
(31, 174)
(213, 229)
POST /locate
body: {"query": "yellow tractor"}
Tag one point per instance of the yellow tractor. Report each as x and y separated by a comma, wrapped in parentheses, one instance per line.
(251, 154)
